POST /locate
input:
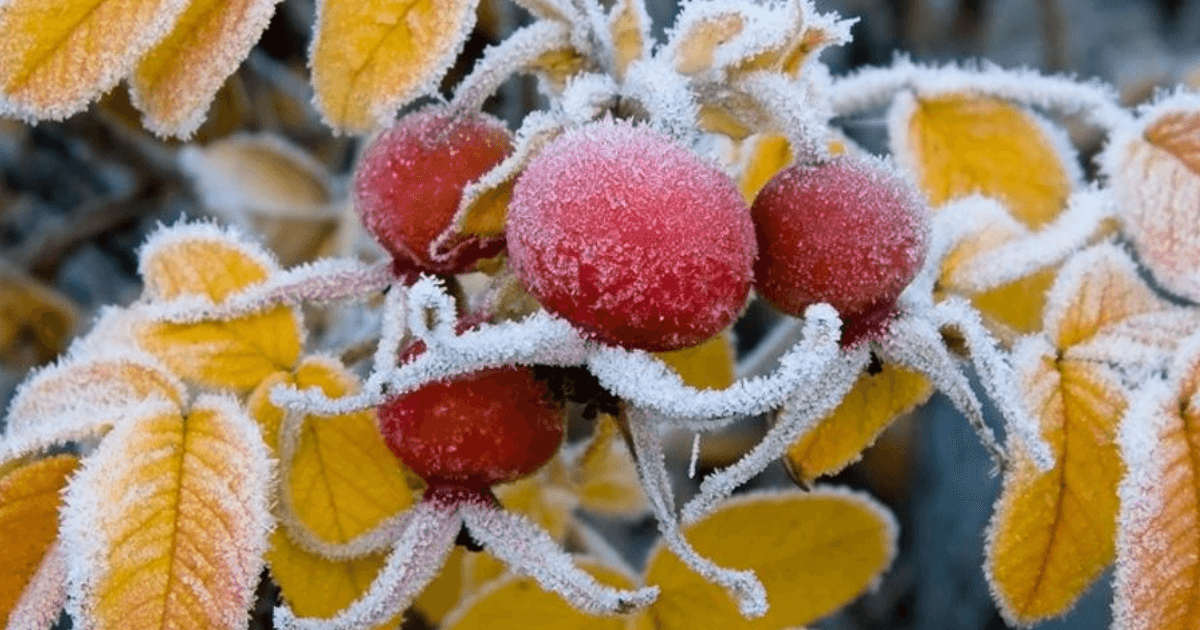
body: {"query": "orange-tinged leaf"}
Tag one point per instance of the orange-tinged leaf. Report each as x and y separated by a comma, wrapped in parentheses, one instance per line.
(872, 404)
(1053, 532)
(518, 602)
(236, 354)
(1155, 170)
(200, 259)
(167, 522)
(340, 477)
(369, 58)
(1157, 584)
(56, 57)
(813, 551)
(708, 365)
(314, 586)
(1098, 289)
(29, 501)
(962, 144)
(175, 83)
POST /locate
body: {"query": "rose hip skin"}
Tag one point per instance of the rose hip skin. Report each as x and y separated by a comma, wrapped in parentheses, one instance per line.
(631, 237)
(848, 232)
(409, 183)
(476, 430)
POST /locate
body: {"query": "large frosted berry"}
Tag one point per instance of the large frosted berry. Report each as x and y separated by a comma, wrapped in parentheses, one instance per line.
(848, 232)
(631, 237)
(476, 430)
(409, 184)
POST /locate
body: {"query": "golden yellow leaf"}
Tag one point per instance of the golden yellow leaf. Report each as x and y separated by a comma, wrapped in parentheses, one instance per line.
(1053, 532)
(709, 365)
(1157, 585)
(868, 409)
(1096, 291)
(604, 477)
(236, 354)
(175, 83)
(813, 551)
(56, 57)
(768, 154)
(1156, 177)
(200, 259)
(341, 478)
(29, 499)
(174, 509)
(695, 45)
(368, 58)
(1016, 308)
(445, 591)
(268, 416)
(962, 144)
(518, 602)
(542, 498)
(36, 321)
(314, 586)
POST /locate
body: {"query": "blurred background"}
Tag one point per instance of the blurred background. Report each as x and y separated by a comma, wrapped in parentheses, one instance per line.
(78, 197)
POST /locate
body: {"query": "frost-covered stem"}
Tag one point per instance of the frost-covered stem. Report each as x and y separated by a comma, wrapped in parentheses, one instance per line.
(916, 343)
(44, 596)
(529, 550)
(869, 88)
(414, 562)
(997, 376)
(744, 586)
(499, 62)
(799, 414)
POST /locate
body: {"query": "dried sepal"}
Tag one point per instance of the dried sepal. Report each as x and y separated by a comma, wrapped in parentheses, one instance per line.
(176, 81)
(144, 506)
(365, 68)
(1154, 167)
(543, 47)
(30, 496)
(629, 28)
(808, 33)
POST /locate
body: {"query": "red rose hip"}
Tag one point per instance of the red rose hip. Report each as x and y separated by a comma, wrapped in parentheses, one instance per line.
(849, 232)
(631, 237)
(476, 430)
(409, 183)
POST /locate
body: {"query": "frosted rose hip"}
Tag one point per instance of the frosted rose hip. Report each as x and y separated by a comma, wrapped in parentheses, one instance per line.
(848, 232)
(631, 237)
(409, 183)
(476, 430)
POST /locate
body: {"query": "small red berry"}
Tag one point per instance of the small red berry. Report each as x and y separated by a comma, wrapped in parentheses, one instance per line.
(409, 184)
(476, 430)
(631, 237)
(848, 232)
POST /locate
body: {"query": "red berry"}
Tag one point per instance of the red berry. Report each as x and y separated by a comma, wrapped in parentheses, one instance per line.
(409, 184)
(631, 237)
(476, 430)
(848, 232)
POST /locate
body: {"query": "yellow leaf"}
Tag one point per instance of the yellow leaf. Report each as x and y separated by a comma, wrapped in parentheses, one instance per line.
(174, 509)
(868, 409)
(175, 83)
(1016, 308)
(29, 500)
(541, 499)
(236, 354)
(445, 591)
(342, 479)
(59, 56)
(1053, 532)
(1098, 289)
(1157, 585)
(768, 154)
(316, 587)
(1155, 171)
(709, 365)
(558, 65)
(813, 551)
(200, 259)
(961, 144)
(369, 58)
(518, 602)
(604, 477)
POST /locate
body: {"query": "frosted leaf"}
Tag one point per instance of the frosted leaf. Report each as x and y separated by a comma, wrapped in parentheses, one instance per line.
(1140, 347)
(558, 10)
(529, 550)
(914, 342)
(954, 222)
(168, 259)
(43, 598)
(998, 379)
(742, 585)
(517, 52)
(867, 89)
(799, 414)
(666, 97)
(414, 562)
(643, 380)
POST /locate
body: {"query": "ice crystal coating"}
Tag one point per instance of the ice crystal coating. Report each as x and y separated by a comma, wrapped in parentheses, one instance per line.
(474, 431)
(848, 232)
(631, 237)
(409, 184)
